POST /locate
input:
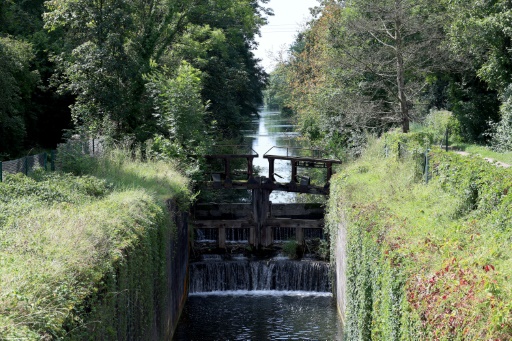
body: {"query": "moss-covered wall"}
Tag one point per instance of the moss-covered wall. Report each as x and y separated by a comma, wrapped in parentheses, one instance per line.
(142, 296)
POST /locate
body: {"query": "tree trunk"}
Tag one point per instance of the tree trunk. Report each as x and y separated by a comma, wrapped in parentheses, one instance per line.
(400, 73)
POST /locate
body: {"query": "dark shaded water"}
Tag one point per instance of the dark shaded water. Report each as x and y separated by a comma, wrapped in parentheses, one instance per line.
(260, 315)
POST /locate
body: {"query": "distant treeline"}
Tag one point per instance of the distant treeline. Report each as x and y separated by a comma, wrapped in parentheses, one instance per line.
(366, 66)
(178, 72)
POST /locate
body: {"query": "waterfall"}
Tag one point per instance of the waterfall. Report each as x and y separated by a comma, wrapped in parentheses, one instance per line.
(280, 275)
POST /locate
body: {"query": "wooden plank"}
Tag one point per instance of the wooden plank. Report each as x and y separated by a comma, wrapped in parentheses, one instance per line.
(271, 186)
(222, 237)
(297, 223)
(273, 222)
(301, 158)
(215, 224)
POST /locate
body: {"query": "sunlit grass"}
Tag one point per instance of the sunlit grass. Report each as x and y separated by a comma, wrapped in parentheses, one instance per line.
(423, 226)
(60, 234)
(486, 152)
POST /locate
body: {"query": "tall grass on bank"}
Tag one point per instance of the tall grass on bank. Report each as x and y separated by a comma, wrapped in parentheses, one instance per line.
(425, 262)
(62, 236)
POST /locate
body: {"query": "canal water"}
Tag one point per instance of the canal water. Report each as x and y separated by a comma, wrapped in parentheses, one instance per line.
(259, 315)
(261, 300)
(269, 130)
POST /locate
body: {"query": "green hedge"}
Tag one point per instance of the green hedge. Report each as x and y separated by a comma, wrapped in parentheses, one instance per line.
(425, 262)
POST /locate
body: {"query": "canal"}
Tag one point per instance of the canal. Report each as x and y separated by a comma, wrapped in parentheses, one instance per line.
(242, 299)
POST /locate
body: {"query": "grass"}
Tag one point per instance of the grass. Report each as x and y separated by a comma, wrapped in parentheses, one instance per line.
(60, 234)
(446, 253)
(486, 152)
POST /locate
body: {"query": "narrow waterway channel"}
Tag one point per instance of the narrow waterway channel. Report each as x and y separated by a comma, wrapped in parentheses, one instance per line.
(273, 129)
(242, 299)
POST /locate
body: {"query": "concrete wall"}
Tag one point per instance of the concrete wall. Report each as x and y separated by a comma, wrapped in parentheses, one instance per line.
(177, 258)
(340, 254)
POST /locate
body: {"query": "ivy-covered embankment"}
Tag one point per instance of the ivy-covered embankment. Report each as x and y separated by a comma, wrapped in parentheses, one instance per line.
(90, 257)
(423, 261)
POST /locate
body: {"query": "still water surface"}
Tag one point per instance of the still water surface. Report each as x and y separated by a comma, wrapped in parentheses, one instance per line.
(262, 315)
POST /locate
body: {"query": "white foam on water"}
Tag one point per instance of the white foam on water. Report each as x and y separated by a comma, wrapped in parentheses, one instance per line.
(263, 293)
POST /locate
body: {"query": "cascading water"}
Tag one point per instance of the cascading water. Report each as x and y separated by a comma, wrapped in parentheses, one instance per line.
(280, 275)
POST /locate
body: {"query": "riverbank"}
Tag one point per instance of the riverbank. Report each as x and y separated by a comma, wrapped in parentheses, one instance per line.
(423, 262)
(90, 256)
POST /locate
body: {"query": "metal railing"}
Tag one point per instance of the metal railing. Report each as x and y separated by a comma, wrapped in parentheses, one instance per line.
(297, 152)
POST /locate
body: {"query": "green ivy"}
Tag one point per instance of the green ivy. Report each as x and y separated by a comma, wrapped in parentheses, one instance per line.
(424, 262)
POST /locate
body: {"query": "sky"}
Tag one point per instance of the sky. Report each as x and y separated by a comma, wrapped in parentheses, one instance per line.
(289, 16)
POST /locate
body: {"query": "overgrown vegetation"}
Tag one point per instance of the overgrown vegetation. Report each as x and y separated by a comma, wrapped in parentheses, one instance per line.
(128, 69)
(83, 256)
(429, 262)
(366, 66)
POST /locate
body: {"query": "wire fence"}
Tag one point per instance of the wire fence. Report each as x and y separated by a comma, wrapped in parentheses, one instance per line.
(28, 163)
(48, 161)
(418, 152)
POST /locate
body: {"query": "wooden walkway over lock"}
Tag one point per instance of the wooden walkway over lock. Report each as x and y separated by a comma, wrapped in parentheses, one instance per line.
(259, 219)
(298, 158)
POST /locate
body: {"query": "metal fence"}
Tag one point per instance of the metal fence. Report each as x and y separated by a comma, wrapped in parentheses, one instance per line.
(47, 161)
(27, 164)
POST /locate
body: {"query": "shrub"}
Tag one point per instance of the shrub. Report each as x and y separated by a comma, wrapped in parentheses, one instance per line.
(290, 248)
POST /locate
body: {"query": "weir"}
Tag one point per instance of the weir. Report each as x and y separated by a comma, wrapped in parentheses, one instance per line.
(216, 273)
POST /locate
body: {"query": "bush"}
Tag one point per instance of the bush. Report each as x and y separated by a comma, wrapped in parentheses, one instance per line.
(290, 248)
(437, 122)
(501, 132)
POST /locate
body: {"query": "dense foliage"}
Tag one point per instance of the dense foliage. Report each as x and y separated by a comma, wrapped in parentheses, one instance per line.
(425, 262)
(75, 249)
(364, 66)
(128, 69)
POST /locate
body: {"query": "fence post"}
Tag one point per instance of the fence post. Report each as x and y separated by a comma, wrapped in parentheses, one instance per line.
(52, 160)
(1, 172)
(25, 159)
(44, 160)
(446, 139)
(399, 153)
(426, 166)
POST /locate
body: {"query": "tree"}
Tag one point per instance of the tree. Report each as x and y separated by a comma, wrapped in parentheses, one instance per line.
(109, 46)
(179, 111)
(480, 39)
(391, 46)
(43, 114)
(232, 78)
(17, 82)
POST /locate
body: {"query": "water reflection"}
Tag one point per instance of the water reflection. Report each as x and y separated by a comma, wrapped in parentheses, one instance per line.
(273, 129)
